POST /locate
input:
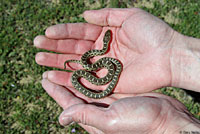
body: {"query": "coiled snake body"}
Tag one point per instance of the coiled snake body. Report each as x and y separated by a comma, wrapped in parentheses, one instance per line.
(114, 69)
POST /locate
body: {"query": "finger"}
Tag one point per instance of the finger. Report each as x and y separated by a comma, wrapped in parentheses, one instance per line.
(118, 96)
(109, 16)
(64, 79)
(71, 91)
(85, 114)
(58, 77)
(60, 94)
(57, 60)
(63, 46)
(82, 31)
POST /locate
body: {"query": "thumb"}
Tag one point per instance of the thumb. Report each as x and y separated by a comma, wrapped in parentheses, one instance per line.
(109, 16)
(83, 113)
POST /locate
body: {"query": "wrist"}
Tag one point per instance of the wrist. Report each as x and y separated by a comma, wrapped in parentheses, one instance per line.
(177, 121)
(185, 62)
(183, 124)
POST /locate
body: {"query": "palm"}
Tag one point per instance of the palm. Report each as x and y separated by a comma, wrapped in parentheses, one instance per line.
(141, 43)
(127, 115)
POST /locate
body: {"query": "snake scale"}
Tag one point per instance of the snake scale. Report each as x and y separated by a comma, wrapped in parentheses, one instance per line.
(114, 69)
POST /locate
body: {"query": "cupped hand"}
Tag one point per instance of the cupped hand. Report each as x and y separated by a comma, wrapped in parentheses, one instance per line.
(141, 114)
(140, 41)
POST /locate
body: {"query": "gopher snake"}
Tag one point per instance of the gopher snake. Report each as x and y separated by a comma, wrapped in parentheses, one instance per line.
(114, 69)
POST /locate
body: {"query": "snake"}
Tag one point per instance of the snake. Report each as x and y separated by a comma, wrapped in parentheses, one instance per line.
(113, 66)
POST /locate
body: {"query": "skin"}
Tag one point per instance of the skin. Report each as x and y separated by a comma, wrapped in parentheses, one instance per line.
(151, 52)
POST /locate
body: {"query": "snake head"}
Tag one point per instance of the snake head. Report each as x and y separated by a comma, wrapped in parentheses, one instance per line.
(107, 36)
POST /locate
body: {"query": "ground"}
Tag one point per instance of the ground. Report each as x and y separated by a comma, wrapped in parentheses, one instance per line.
(24, 106)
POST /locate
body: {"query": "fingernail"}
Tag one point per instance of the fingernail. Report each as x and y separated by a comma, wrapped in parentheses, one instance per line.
(65, 121)
(37, 41)
(51, 31)
(45, 75)
(40, 57)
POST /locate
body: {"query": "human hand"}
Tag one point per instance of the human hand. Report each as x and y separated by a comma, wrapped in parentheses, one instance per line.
(141, 42)
(141, 114)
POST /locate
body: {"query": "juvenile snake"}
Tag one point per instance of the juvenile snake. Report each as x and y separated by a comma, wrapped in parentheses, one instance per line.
(114, 69)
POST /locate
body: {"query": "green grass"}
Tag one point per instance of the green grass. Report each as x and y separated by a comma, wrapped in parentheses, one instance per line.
(24, 106)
